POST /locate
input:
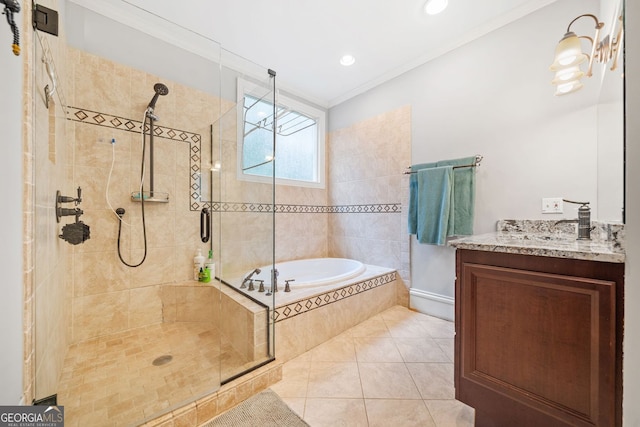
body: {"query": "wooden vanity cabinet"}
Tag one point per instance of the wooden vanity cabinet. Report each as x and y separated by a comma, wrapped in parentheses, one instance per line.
(538, 339)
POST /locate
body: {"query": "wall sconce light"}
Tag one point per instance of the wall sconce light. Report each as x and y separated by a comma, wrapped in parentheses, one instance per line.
(569, 56)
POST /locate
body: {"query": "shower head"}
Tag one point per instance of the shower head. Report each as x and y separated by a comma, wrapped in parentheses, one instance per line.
(160, 90)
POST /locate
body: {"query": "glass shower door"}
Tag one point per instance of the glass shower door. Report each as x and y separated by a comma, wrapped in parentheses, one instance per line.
(246, 238)
(139, 340)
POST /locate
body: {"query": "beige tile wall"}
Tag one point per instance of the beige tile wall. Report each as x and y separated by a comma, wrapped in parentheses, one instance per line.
(110, 297)
(47, 168)
(367, 163)
(244, 325)
(28, 215)
(103, 295)
(107, 295)
(301, 235)
(247, 236)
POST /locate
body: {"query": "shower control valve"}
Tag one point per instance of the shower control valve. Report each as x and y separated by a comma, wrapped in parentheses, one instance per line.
(67, 199)
(60, 211)
(69, 212)
(77, 232)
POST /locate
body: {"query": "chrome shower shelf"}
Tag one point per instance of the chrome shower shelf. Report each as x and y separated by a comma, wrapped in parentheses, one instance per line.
(151, 196)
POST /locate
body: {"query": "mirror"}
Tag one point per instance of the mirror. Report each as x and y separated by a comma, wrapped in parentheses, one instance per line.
(610, 116)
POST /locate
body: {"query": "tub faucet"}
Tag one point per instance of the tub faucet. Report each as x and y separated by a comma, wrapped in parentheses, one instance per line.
(584, 220)
(247, 279)
(287, 286)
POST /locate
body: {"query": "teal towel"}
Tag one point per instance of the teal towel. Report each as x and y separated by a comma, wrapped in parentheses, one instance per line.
(463, 198)
(435, 188)
(413, 196)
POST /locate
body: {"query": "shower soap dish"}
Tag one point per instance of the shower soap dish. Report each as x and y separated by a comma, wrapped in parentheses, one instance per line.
(151, 196)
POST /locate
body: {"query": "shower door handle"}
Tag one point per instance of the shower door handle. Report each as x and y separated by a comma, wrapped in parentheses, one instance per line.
(205, 225)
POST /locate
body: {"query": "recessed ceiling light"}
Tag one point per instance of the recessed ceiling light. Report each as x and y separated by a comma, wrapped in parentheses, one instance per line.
(347, 60)
(433, 7)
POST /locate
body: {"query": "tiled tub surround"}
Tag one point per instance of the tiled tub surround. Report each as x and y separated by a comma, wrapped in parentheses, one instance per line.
(310, 297)
(311, 315)
(545, 238)
(318, 314)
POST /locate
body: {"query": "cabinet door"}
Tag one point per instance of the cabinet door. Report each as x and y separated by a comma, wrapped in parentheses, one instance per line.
(535, 348)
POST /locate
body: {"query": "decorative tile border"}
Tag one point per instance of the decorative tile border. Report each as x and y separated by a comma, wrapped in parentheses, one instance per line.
(287, 208)
(194, 140)
(299, 307)
(370, 208)
(83, 115)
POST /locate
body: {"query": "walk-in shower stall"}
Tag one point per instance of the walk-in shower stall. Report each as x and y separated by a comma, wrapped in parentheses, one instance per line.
(122, 329)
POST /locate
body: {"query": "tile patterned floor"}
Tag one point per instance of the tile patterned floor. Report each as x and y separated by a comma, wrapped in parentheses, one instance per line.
(112, 381)
(394, 369)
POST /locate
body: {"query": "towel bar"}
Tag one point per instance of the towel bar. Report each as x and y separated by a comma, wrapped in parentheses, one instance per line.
(476, 163)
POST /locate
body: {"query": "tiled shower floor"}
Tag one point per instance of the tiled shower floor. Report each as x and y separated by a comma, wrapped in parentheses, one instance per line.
(112, 381)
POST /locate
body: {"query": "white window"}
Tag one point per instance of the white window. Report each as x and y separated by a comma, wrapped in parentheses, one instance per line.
(300, 134)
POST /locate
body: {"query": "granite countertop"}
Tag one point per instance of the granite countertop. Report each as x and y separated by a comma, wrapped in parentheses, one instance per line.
(544, 238)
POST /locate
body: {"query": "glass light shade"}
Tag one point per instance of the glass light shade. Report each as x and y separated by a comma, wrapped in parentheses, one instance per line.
(568, 52)
(568, 87)
(564, 75)
(433, 7)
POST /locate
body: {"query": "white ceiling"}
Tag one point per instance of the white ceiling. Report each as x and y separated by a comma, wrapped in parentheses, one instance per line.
(303, 40)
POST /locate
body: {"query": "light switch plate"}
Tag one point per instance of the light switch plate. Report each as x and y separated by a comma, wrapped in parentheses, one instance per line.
(553, 205)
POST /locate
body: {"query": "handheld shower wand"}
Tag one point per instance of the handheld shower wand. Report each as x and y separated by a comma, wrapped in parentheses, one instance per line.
(160, 90)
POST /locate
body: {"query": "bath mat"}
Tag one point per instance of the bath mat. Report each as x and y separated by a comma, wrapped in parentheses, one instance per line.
(263, 409)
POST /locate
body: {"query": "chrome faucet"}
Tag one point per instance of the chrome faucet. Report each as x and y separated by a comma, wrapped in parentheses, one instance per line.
(274, 282)
(287, 286)
(247, 279)
(584, 220)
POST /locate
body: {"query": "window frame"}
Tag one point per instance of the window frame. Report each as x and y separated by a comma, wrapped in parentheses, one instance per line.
(245, 87)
